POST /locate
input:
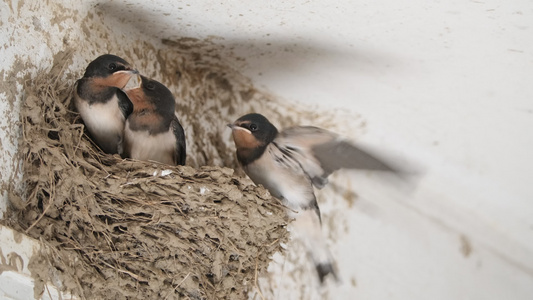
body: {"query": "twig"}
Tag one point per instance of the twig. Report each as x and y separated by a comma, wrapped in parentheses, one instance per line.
(48, 291)
(255, 278)
(277, 240)
(134, 276)
(281, 206)
(51, 201)
(177, 286)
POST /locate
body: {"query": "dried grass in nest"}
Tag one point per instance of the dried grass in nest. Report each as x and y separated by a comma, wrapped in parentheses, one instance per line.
(117, 229)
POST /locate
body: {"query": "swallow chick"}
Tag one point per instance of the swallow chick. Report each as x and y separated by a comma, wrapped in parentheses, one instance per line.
(152, 130)
(289, 163)
(102, 104)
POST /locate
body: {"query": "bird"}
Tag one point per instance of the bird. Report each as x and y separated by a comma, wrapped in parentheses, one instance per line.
(153, 131)
(102, 104)
(289, 163)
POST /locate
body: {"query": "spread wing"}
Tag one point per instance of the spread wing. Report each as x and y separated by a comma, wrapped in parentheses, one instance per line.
(321, 152)
(180, 153)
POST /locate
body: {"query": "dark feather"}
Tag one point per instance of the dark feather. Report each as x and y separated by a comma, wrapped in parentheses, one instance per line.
(124, 103)
(321, 152)
(181, 152)
(324, 269)
(339, 154)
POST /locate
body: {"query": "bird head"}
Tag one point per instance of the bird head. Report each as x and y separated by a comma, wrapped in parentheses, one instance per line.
(252, 131)
(151, 94)
(110, 70)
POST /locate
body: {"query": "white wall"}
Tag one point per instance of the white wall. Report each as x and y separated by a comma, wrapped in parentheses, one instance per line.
(444, 85)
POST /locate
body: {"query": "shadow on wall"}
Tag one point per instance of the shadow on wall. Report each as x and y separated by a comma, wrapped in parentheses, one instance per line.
(209, 91)
(272, 57)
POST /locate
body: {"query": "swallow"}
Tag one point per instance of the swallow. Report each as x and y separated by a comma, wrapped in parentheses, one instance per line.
(102, 104)
(152, 130)
(289, 164)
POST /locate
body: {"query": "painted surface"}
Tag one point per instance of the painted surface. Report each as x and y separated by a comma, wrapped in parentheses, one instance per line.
(15, 278)
(443, 85)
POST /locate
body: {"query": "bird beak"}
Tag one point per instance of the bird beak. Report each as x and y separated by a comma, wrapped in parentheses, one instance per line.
(120, 78)
(129, 68)
(237, 127)
(242, 137)
(128, 71)
(135, 82)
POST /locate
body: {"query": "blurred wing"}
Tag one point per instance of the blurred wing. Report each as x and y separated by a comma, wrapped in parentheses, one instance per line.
(321, 152)
(180, 153)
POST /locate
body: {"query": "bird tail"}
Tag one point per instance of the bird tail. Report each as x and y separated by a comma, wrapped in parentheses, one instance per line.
(324, 269)
(306, 227)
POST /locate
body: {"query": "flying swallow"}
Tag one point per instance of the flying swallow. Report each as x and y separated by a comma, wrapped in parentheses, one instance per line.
(102, 104)
(289, 163)
(152, 130)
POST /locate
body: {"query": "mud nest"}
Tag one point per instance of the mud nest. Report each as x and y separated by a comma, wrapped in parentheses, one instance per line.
(117, 229)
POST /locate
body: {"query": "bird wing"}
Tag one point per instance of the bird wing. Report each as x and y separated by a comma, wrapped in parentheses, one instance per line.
(281, 173)
(321, 152)
(124, 103)
(180, 153)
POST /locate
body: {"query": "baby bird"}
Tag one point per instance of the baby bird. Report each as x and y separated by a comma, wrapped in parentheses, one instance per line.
(102, 104)
(152, 130)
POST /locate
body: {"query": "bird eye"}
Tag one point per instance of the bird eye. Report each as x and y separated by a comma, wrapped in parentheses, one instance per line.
(253, 127)
(150, 85)
(112, 66)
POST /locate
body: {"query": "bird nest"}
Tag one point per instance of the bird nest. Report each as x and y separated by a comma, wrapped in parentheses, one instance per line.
(121, 229)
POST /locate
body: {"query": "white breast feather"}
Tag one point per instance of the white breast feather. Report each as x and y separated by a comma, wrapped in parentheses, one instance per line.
(102, 119)
(143, 146)
(286, 182)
